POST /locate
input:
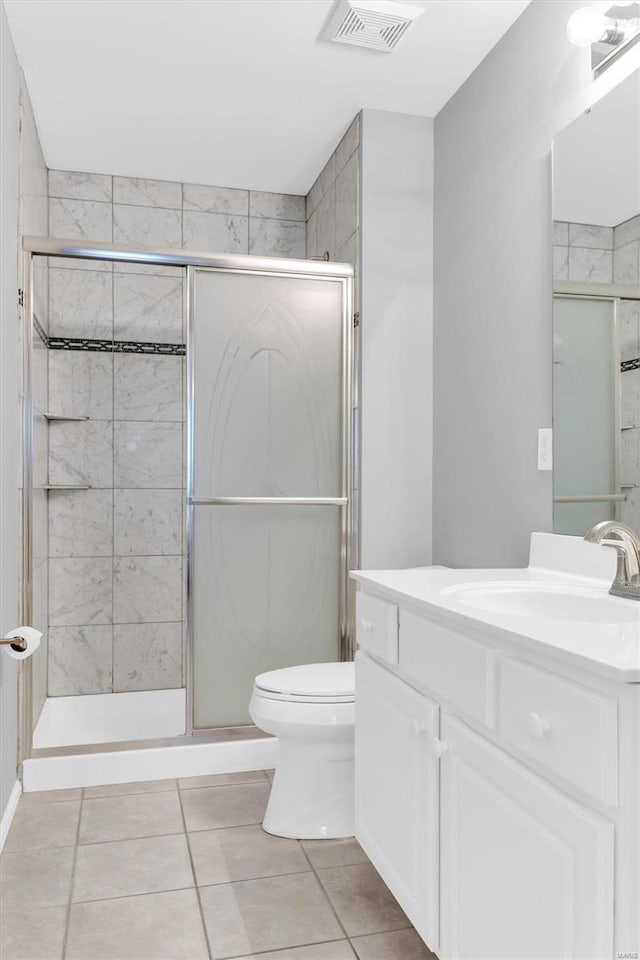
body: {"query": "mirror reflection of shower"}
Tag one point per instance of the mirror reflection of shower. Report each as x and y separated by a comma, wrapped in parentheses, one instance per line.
(596, 316)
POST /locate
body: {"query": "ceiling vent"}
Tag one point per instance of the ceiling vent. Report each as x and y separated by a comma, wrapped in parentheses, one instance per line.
(375, 24)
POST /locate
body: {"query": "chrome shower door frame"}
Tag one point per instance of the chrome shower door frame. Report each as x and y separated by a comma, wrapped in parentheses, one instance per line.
(190, 262)
(337, 273)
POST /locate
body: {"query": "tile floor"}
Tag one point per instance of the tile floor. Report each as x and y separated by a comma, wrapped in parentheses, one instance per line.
(182, 869)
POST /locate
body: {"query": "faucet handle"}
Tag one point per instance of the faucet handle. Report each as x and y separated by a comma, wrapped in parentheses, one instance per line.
(626, 582)
(618, 545)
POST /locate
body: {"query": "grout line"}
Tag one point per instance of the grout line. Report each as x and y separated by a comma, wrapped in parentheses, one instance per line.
(150, 836)
(73, 878)
(270, 876)
(298, 946)
(324, 892)
(193, 873)
(132, 896)
(214, 786)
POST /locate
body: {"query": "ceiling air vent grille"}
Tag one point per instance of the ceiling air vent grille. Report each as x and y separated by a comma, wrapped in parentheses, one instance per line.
(371, 24)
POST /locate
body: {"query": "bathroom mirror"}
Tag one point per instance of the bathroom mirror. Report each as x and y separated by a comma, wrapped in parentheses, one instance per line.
(596, 315)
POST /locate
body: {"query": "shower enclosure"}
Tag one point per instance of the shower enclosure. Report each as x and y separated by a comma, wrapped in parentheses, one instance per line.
(188, 514)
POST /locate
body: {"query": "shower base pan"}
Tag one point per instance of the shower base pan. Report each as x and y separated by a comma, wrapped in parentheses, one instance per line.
(110, 718)
(100, 739)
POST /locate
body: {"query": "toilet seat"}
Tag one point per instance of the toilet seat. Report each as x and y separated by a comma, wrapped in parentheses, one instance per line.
(310, 683)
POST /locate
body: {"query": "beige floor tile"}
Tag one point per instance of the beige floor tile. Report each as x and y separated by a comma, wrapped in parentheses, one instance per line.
(334, 853)
(243, 853)
(41, 878)
(399, 945)
(258, 915)
(124, 868)
(335, 950)
(123, 789)
(222, 779)
(40, 825)
(159, 926)
(27, 934)
(125, 818)
(231, 806)
(361, 900)
(52, 796)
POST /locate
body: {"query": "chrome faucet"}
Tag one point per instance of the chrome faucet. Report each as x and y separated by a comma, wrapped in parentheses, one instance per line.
(626, 582)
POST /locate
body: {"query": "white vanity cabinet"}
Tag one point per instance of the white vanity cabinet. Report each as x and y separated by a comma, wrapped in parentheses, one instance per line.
(524, 871)
(397, 790)
(492, 804)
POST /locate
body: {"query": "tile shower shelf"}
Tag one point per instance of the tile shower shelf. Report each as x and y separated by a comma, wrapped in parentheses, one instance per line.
(65, 486)
(57, 417)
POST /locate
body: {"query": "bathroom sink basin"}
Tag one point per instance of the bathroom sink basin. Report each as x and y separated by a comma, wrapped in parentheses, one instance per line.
(545, 601)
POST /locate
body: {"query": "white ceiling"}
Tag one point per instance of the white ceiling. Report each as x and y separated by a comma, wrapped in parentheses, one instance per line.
(596, 161)
(239, 93)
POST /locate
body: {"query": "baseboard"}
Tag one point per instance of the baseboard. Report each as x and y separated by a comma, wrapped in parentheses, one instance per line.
(155, 763)
(9, 811)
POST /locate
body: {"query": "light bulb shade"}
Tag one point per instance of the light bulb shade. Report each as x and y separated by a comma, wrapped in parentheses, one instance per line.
(586, 26)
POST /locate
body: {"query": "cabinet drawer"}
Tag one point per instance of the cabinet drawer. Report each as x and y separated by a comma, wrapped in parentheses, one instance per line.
(566, 728)
(377, 626)
(452, 666)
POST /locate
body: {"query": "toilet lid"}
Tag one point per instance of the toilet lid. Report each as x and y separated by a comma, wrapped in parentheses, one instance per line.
(320, 680)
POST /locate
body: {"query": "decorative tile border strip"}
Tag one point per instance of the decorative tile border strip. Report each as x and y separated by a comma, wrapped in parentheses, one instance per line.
(143, 348)
(86, 344)
(630, 365)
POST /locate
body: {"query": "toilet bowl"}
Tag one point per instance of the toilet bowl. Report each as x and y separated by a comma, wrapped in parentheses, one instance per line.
(311, 710)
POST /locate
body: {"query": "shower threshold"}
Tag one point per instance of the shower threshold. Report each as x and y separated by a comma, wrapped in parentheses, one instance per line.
(110, 718)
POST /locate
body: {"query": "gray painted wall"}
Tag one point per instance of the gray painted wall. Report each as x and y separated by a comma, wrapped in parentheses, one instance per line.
(492, 387)
(396, 338)
(9, 111)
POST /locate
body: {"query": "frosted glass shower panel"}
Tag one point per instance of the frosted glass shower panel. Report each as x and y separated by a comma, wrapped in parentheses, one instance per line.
(267, 595)
(267, 370)
(269, 405)
(585, 416)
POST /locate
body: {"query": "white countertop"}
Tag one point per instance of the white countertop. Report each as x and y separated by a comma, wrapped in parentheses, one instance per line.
(610, 649)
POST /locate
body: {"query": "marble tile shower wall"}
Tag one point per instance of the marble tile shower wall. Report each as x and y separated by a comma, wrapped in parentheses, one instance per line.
(596, 254)
(589, 253)
(333, 204)
(158, 213)
(117, 567)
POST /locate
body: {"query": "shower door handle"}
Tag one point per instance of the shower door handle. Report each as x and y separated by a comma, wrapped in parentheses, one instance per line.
(262, 501)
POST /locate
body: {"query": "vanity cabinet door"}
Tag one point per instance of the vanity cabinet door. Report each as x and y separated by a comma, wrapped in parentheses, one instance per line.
(396, 799)
(525, 871)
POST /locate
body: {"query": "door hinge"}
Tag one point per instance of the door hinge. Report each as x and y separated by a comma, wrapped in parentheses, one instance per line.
(356, 319)
(20, 298)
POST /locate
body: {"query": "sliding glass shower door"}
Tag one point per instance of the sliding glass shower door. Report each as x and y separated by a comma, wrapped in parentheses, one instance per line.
(268, 491)
(586, 417)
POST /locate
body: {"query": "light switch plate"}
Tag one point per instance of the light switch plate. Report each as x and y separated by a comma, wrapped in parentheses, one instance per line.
(545, 448)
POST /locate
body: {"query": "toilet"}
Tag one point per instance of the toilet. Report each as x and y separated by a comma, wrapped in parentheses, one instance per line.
(311, 710)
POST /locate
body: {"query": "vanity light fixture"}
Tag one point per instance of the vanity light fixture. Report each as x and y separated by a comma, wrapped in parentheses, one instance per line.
(609, 29)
